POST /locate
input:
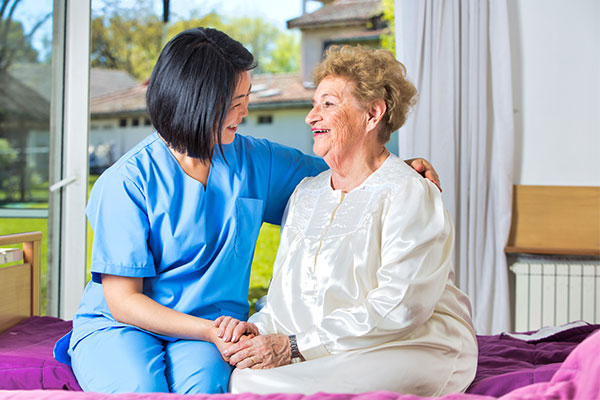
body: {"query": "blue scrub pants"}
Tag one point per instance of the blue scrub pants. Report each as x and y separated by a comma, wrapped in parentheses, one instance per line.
(125, 359)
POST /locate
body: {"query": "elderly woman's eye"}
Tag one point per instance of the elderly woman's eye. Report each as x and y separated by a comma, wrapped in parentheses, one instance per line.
(328, 103)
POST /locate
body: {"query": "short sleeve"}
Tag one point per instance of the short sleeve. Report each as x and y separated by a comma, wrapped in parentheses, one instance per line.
(117, 214)
(288, 167)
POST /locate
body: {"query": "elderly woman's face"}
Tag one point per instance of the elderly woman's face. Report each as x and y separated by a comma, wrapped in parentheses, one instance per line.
(337, 120)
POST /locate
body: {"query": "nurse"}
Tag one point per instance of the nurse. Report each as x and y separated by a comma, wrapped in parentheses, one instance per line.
(175, 223)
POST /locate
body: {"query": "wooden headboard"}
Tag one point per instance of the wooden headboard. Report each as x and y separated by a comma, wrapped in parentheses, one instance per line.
(20, 284)
(555, 220)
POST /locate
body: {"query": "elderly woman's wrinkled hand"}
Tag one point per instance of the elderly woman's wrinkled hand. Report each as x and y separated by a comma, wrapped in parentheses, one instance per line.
(423, 167)
(260, 352)
(231, 329)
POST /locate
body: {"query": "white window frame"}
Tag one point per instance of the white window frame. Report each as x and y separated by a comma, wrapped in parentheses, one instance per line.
(69, 155)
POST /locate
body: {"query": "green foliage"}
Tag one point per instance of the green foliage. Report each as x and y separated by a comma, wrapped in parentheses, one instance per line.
(131, 38)
(8, 181)
(388, 39)
(285, 56)
(257, 35)
(15, 43)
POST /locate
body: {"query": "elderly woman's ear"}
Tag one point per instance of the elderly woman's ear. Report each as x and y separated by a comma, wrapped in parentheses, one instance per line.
(376, 114)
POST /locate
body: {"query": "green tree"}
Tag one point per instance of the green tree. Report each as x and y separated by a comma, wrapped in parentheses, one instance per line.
(15, 43)
(388, 39)
(127, 39)
(131, 38)
(285, 57)
(8, 179)
(256, 34)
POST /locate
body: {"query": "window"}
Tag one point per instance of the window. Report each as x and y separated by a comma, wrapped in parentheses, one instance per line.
(135, 122)
(265, 119)
(36, 185)
(123, 122)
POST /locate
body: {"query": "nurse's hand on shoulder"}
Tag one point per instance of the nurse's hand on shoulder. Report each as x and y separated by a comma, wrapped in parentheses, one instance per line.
(231, 329)
(424, 167)
(260, 352)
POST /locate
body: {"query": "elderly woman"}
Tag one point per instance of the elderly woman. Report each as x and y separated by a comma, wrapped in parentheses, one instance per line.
(362, 296)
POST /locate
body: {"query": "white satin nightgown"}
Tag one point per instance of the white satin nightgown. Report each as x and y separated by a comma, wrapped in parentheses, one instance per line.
(365, 281)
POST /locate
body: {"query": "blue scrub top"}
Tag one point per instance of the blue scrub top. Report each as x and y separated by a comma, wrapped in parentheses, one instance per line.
(193, 245)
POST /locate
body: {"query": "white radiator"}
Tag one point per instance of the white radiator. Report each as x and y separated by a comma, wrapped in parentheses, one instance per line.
(554, 290)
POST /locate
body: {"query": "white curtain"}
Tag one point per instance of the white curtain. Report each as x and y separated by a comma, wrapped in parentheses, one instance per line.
(457, 54)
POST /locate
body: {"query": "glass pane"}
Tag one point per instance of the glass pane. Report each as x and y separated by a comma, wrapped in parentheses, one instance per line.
(25, 71)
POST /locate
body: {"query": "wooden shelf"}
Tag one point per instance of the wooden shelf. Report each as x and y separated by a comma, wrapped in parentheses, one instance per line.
(561, 220)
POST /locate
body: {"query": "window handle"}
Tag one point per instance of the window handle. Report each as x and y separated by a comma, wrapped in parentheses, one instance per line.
(62, 183)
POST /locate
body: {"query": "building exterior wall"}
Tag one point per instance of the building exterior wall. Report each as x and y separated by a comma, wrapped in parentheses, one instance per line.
(313, 41)
(287, 127)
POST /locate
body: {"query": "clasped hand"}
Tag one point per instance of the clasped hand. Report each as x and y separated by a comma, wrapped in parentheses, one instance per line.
(244, 347)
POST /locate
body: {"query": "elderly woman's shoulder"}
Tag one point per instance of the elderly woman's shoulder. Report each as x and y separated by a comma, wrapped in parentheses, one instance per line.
(397, 174)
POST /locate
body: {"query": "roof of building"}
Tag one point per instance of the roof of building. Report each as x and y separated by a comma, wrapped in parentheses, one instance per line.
(340, 12)
(20, 103)
(276, 90)
(268, 91)
(130, 100)
(104, 81)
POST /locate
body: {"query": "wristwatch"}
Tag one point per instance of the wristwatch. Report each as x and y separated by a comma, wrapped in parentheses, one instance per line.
(296, 356)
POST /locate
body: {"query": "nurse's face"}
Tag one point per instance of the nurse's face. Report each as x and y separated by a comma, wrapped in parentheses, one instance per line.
(238, 109)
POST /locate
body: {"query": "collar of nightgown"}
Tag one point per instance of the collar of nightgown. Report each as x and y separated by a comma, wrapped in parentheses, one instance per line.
(359, 186)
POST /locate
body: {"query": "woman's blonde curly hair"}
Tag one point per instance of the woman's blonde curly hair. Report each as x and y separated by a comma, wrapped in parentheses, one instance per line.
(376, 75)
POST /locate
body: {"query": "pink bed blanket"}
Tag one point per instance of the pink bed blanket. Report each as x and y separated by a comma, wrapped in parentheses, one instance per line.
(577, 377)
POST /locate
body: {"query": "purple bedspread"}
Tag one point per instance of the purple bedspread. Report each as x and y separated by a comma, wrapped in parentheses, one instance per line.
(26, 360)
(508, 368)
(506, 363)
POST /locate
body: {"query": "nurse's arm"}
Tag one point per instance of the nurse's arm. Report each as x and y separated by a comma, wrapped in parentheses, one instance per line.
(128, 304)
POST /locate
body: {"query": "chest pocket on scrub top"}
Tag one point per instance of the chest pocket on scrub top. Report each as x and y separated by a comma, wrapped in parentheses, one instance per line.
(248, 213)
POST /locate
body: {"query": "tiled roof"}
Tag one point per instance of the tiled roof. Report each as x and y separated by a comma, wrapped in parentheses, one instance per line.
(102, 81)
(268, 90)
(338, 13)
(274, 89)
(19, 102)
(124, 101)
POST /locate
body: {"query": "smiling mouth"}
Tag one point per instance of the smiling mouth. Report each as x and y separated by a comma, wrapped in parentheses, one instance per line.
(318, 131)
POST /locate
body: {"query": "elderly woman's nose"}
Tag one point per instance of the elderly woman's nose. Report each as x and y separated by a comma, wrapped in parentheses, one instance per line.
(312, 116)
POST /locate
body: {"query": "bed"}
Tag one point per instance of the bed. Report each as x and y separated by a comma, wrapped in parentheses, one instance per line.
(554, 362)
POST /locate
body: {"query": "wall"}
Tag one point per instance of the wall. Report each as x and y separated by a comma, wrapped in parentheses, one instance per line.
(556, 74)
(288, 128)
(119, 139)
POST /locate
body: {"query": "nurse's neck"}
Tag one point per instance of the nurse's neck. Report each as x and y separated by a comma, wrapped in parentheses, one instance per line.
(195, 168)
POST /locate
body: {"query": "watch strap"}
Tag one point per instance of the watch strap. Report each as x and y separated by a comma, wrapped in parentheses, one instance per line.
(294, 348)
